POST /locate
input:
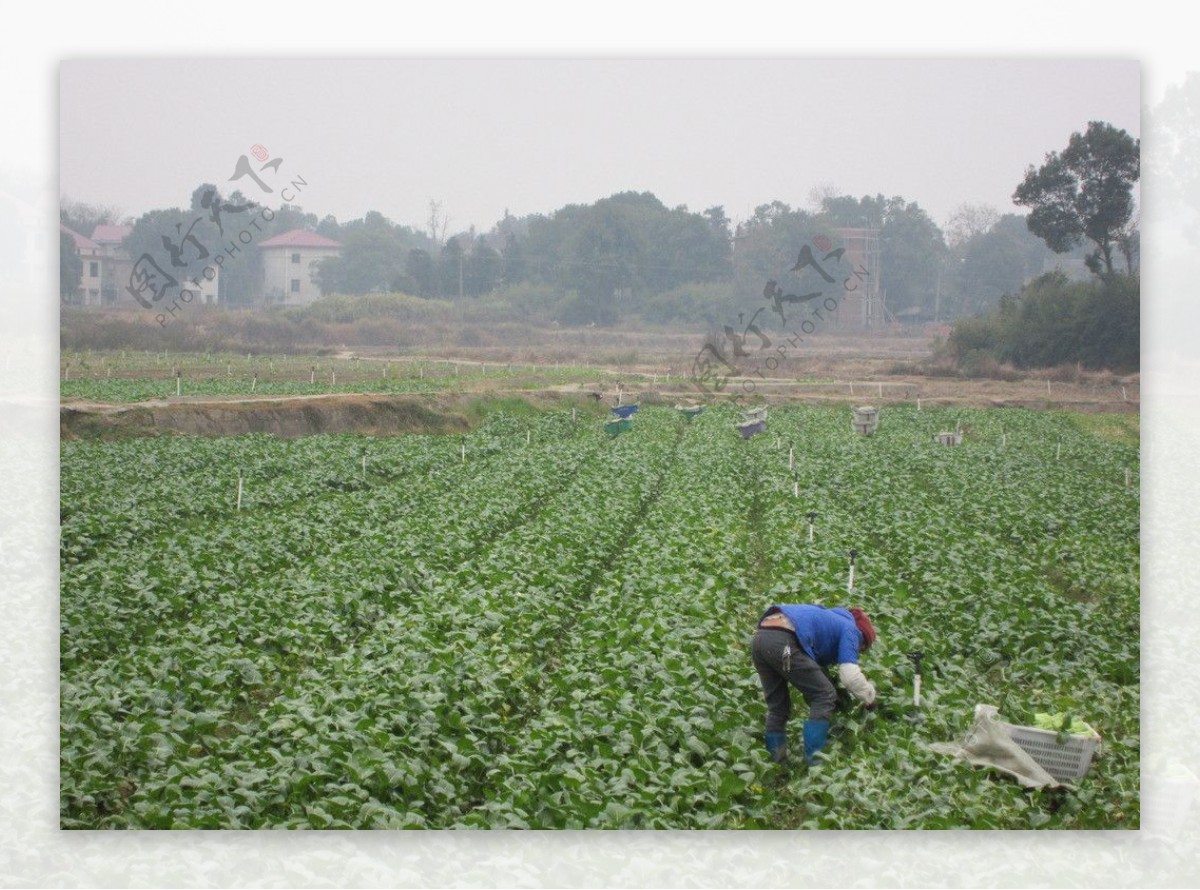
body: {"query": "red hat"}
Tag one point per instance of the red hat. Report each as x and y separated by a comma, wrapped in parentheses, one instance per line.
(865, 626)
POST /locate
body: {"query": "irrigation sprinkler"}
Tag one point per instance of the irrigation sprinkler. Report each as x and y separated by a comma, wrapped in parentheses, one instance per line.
(812, 518)
(915, 657)
(853, 557)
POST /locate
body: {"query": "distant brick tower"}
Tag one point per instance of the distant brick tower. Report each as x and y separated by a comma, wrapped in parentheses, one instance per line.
(861, 299)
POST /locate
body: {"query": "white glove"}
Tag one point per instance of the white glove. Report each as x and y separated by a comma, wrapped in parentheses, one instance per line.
(853, 679)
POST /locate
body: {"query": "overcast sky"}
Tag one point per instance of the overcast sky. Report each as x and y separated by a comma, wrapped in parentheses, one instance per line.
(530, 136)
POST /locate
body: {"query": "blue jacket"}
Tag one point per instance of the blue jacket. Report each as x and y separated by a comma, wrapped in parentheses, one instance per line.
(828, 636)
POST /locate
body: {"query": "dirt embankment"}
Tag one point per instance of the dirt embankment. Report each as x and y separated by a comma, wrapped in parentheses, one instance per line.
(286, 418)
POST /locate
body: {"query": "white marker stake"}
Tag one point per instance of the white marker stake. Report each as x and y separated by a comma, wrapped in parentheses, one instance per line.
(916, 690)
(791, 458)
(68, 370)
(572, 415)
(1003, 439)
(421, 371)
(178, 385)
(312, 376)
(850, 585)
(795, 489)
(918, 403)
(1047, 387)
(1127, 477)
(254, 383)
(333, 378)
(464, 453)
(1058, 451)
(528, 436)
(364, 468)
(851, 389)
(239, 498)
(881, 390)
(1124, 397)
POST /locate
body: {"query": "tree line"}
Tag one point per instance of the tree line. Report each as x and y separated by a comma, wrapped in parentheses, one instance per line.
(630, 257)
(626, 256)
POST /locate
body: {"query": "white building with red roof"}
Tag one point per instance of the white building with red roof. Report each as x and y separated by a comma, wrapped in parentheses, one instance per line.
(289, 266)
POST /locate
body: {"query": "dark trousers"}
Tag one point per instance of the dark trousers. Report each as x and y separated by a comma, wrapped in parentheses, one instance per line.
(779, 661)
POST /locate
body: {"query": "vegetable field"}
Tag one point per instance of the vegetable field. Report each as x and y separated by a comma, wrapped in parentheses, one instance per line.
(537, 625)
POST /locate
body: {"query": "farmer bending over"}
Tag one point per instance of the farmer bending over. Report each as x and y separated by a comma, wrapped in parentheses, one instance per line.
(794, 644)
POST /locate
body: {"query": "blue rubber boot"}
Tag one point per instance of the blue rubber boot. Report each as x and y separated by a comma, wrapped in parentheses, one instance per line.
(776, 745)
(816, 733)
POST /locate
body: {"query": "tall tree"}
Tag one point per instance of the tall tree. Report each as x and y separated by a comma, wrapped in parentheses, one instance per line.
(483, 268)
(83, 218)
(420, 270)
(969, 220)
(1084, 192)
(991, 264)
(70, 268)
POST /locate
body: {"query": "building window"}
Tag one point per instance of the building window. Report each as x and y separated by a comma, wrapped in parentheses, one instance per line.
(94, 270)
(295, 285)
(295, 258)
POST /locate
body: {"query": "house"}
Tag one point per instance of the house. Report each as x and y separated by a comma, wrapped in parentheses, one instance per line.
(88, 292)
(115, 264)
(289, 266)
(108, 270)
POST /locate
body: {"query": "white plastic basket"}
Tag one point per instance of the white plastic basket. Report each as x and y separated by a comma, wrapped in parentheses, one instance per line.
(1067, 760)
